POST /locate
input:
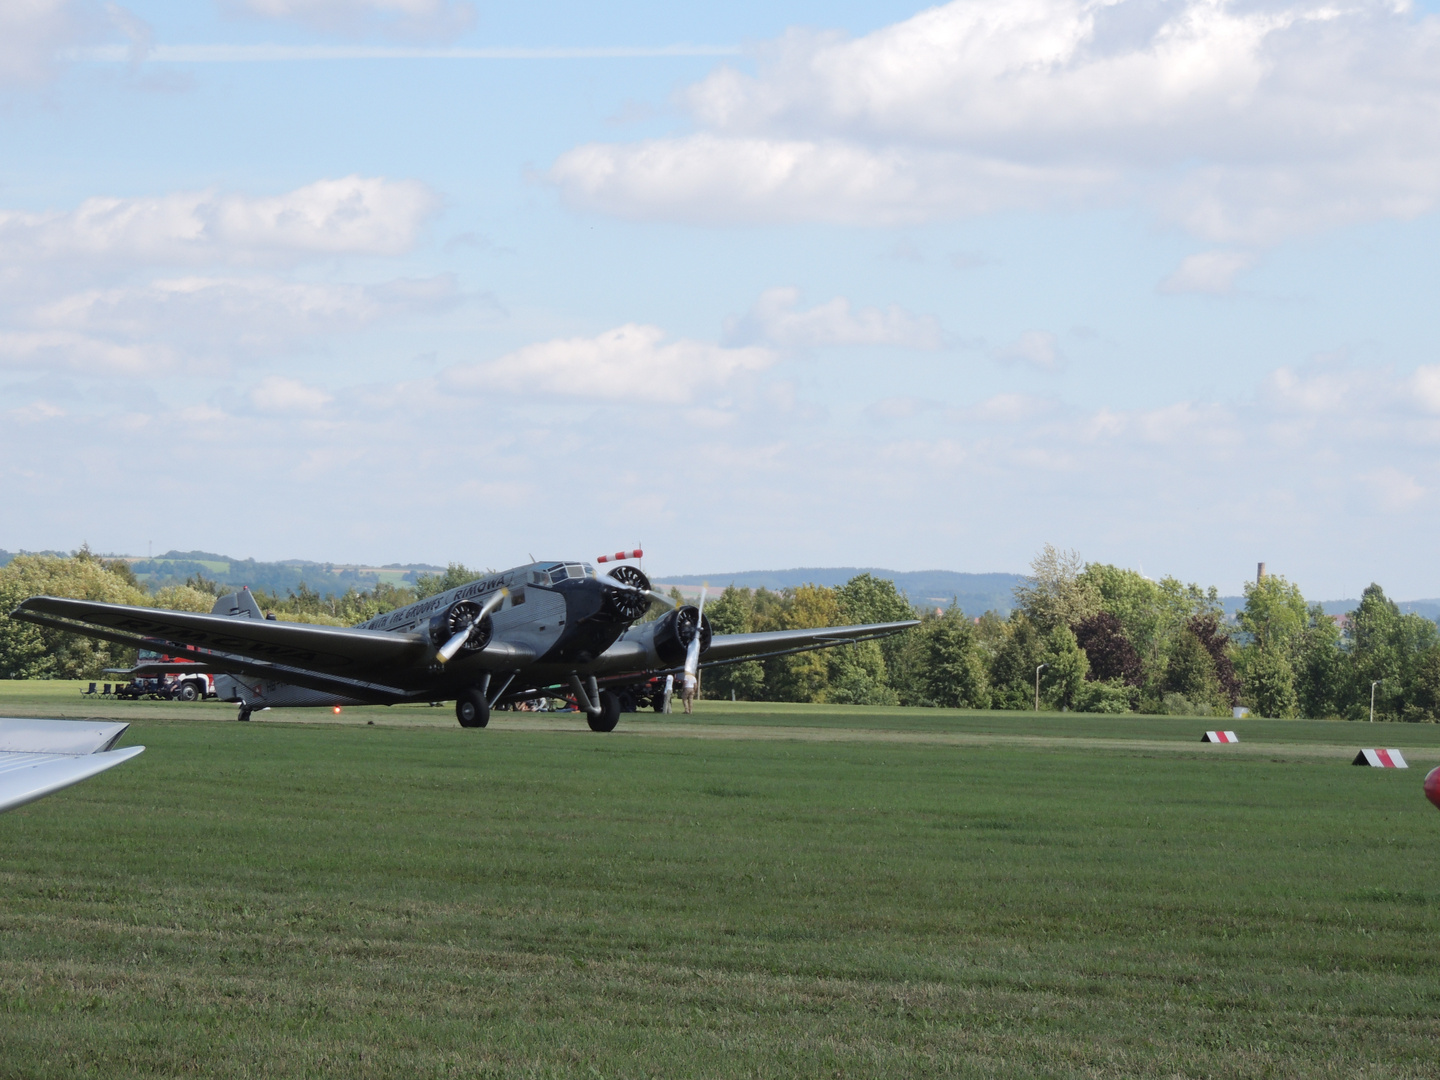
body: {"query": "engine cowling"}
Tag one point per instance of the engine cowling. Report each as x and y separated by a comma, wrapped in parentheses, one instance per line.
(675, 630)
(627, 605)
(446, 624)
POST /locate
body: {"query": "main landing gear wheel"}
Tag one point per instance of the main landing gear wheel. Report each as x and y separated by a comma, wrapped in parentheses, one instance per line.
(471, 709)
(609, 712)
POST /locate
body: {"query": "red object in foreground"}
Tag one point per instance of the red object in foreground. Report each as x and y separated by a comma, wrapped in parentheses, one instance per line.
(636, 554)
(1432, 786)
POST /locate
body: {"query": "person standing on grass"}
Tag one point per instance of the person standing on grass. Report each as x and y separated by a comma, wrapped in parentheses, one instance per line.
(688, 688)
(669, 690)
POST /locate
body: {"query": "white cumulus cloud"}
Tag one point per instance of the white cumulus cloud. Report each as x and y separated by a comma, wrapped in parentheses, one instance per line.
(33, 32)
(241, 309)
(1210, 272)
(776, 319)
(631, 363)
(64, 350)
(1243, 121)
(353, 215)
(276, 393)
(1038, 348)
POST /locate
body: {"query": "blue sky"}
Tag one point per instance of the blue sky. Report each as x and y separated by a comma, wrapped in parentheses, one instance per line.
(835, 284)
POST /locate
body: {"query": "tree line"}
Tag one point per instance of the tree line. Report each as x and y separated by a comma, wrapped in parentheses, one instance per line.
(1092, 637)
(1099, 637)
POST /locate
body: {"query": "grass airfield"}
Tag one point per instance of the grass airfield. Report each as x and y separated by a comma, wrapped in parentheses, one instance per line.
(761, 890)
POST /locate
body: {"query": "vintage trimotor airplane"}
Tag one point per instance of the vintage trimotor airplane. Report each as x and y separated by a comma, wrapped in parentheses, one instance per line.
(556, 629)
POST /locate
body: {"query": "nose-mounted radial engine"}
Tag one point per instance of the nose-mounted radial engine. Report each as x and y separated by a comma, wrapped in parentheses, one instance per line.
(630, 602)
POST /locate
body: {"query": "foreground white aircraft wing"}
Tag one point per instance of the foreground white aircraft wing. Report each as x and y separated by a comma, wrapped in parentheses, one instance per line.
(38, 757)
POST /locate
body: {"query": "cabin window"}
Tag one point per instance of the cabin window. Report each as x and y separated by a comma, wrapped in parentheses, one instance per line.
(557, 574)
(574, 571)
(517, 597)
(539, 577)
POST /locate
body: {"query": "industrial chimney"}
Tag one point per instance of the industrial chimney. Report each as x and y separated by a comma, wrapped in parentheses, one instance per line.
(1260, 574)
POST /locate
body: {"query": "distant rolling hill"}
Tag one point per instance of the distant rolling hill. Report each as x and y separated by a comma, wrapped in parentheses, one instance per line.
(277, 577)
(975, 593)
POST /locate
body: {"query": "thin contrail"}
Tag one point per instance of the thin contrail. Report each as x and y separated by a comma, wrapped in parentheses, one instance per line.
(250, 54)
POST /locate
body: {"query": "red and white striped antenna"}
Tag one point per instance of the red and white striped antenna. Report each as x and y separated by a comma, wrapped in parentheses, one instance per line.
(620, 555)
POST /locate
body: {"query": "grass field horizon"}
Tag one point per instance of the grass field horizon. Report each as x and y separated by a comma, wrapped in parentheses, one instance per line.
(760, 891)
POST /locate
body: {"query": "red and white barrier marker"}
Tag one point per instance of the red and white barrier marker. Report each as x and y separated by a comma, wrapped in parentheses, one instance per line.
(1432, 786)
(1381, 759)
(619, 555)
(1220, 736)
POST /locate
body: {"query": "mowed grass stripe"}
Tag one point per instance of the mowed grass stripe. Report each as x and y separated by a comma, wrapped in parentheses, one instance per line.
(274, 899)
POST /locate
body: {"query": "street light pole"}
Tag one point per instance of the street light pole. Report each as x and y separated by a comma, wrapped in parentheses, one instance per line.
(1037, 686)
(1374, 684)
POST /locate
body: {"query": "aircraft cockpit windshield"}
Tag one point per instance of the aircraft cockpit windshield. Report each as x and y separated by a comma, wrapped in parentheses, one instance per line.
(561, 572)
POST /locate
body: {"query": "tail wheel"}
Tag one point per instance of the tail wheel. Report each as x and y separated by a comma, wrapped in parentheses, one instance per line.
(609, 712)
(471, 708)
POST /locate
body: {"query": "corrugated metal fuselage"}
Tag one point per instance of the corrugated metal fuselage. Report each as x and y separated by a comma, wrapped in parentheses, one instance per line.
(547, 629)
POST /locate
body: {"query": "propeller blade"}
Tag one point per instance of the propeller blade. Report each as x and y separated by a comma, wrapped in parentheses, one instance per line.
(454, 645)
(616, 583)
(692, 651)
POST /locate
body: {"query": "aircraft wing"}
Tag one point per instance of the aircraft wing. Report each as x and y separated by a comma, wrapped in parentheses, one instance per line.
(337, 650)
(331, 659)
(38, 757)
(728, 648)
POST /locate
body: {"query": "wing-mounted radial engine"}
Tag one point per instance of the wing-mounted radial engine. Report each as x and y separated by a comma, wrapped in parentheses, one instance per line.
(448, 624)
(673, 633)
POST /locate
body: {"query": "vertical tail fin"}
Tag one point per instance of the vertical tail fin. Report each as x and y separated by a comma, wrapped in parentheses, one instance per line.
(240, 604)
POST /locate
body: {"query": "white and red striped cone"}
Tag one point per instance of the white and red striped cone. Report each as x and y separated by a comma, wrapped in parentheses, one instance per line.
(1220, 737)
(1381, 759)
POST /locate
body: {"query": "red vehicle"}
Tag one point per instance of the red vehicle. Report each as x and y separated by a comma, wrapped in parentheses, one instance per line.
(156, 675)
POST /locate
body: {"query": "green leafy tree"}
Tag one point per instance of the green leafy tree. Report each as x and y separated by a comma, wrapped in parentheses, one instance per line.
(1190, 673)
(1387, 646)
(33, 652)
(455, 575)
(858, 675)
(1275, 616)
(1153, 615)
(1012, 673)
(952, 665)
(1270, 684)
(1057, 593)
(1321, 671)
(733, 613)
(1107, 696)
(1062, 682)
(801, 676)
(1135, 601)
(1424, 702)
(1216, 641)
